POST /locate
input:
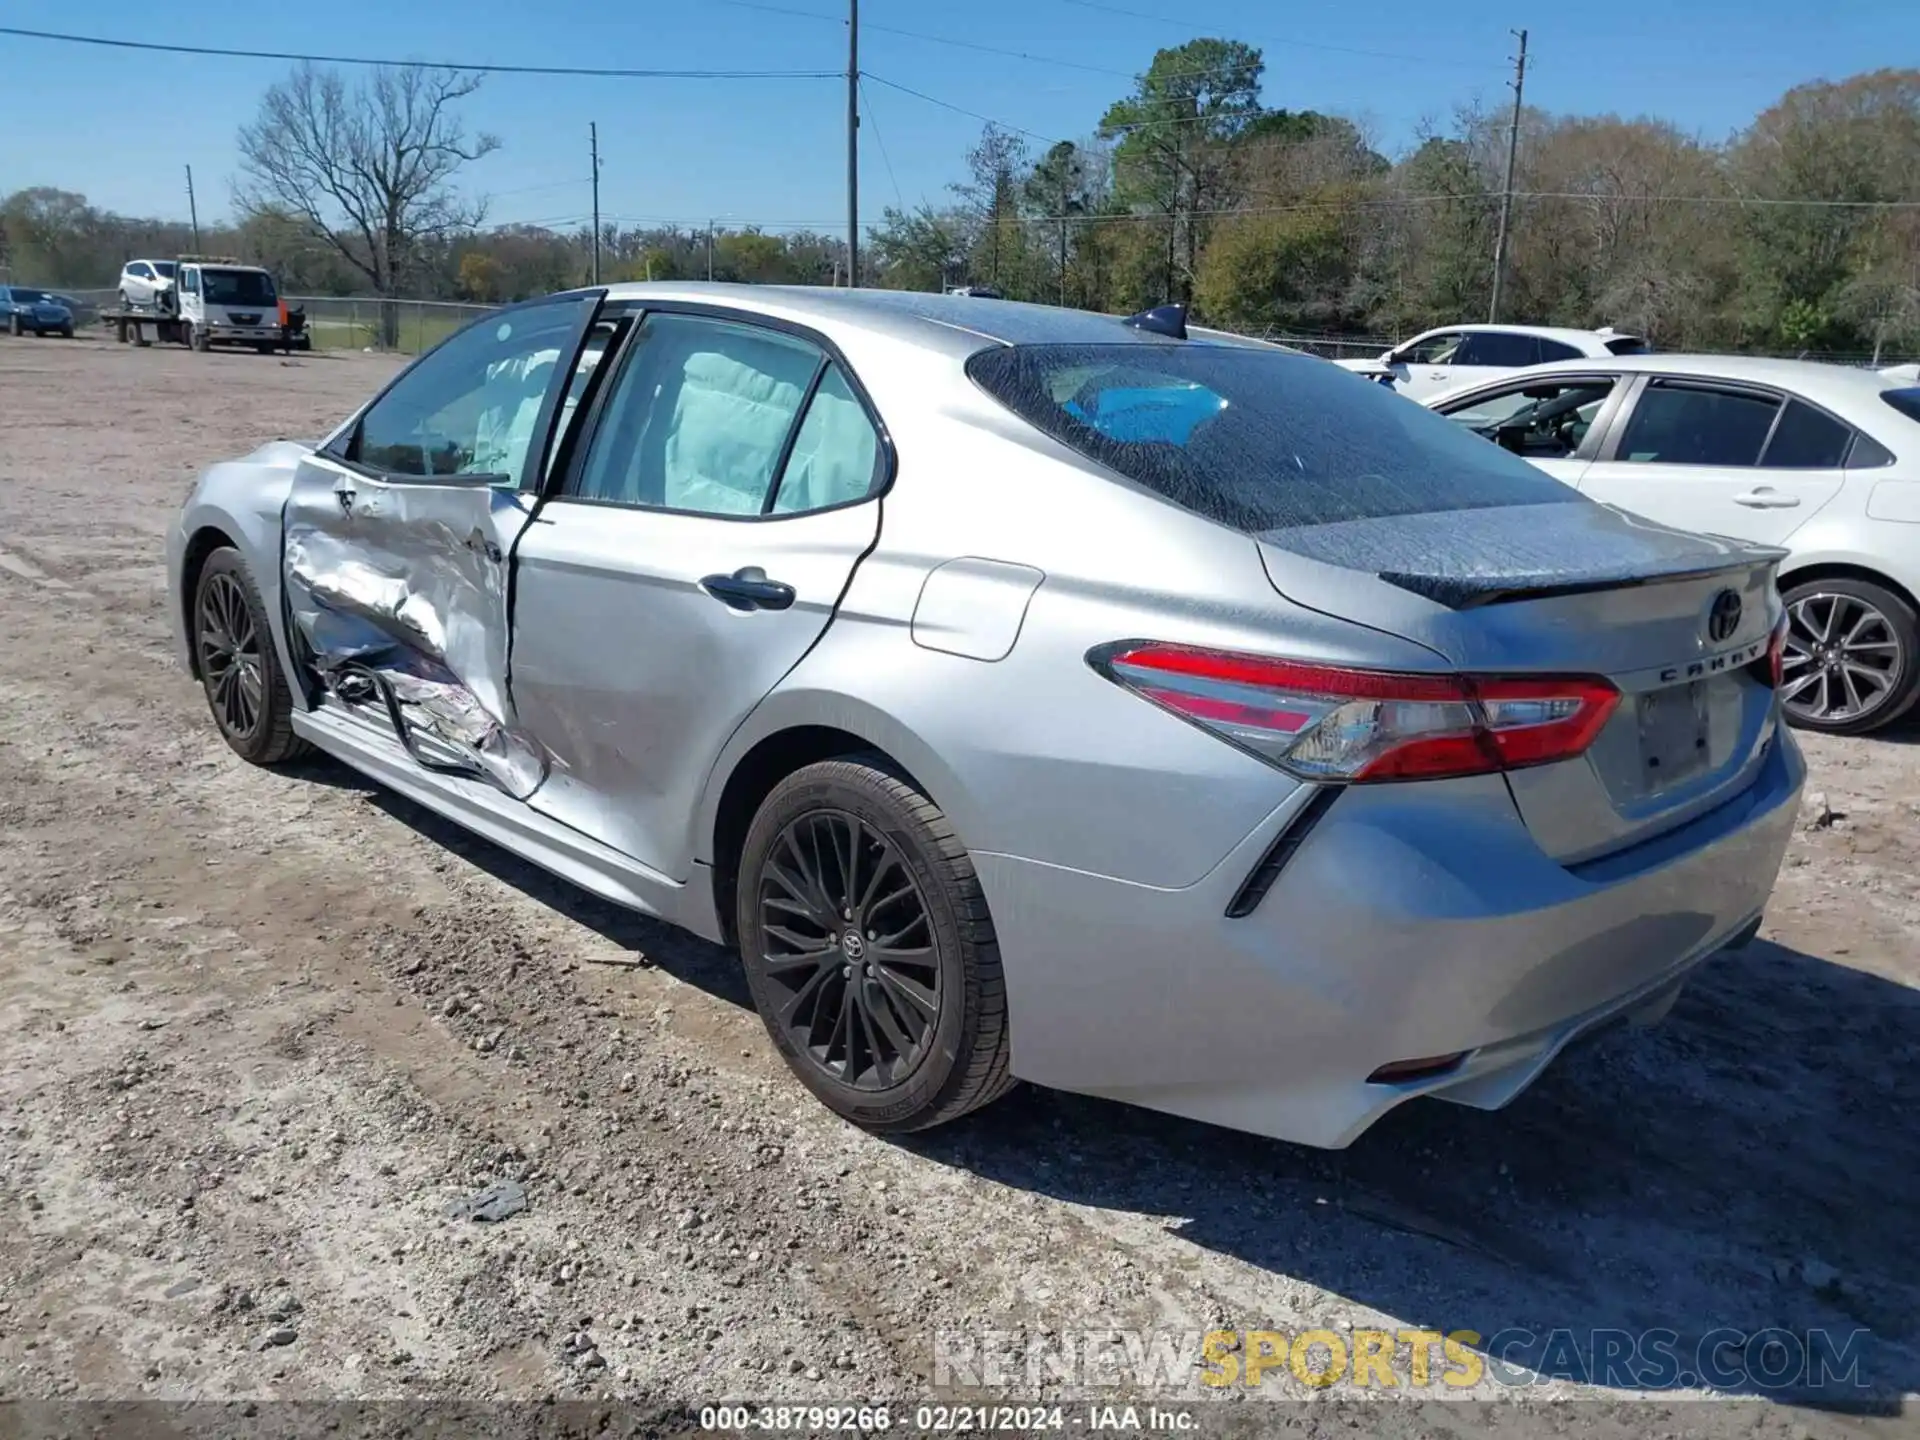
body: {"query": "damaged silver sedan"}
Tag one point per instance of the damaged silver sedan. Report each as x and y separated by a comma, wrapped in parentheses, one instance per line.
(1024, 692)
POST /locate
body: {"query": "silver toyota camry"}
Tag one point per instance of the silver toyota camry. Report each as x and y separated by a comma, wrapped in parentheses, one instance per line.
(1025, 692)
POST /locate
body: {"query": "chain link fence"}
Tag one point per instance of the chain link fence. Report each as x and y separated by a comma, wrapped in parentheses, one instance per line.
(337, 322)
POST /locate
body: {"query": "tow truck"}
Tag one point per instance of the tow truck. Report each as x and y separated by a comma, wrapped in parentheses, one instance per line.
(214, 300)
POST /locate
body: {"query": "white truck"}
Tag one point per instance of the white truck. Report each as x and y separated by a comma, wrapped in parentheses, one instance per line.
(207, 300)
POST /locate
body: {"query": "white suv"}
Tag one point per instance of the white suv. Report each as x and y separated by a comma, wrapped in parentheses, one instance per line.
(144, 282)
(1440, 359)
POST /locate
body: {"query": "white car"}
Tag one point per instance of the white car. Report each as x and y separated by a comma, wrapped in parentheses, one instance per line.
(1821, 460)
(1909, 373)
(144, 282)
(1440, 359)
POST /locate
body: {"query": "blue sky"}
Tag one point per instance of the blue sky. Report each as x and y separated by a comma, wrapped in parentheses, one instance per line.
(119, 126)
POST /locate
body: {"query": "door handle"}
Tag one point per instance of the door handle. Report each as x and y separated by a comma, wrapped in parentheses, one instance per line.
(748, 588)
(1765, 497)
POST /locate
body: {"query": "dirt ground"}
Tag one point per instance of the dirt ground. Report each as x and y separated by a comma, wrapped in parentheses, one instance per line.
(258, 1029)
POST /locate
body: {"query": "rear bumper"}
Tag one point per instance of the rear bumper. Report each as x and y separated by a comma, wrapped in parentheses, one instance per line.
(1413, 920)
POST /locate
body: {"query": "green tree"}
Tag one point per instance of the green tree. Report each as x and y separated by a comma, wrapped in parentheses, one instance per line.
(1060, 190)
(1174, 144)
(922, 250)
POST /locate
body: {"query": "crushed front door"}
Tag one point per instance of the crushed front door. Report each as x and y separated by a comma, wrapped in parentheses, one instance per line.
(399, 535)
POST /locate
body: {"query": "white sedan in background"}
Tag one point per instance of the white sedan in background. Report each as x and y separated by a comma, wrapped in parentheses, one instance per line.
(1822, 460)
(1437, 360)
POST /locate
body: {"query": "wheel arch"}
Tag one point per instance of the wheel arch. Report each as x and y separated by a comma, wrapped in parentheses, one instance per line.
(193, 560)
(1846, 570)
(791, 737)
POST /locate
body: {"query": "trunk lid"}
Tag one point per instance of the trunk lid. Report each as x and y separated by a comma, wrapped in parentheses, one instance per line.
(1574, 588)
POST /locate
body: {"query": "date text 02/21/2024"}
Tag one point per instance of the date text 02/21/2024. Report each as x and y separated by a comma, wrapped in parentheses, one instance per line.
(943, 1419)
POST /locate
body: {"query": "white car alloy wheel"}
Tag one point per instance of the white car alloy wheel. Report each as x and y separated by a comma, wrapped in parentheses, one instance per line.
(1849, 661)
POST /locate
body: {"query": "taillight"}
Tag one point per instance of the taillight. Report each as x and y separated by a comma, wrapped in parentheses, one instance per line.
(1324, 722)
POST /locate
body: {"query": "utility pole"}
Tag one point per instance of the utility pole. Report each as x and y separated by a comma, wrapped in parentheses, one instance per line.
(593, 138)
(853, 143)
(709, 250)
(1506, 190)
(193, 210)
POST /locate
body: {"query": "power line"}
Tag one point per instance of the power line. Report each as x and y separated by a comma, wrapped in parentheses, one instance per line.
(570, 70)
(1189, 24)
(958, 44)
(877, 140)
(868, 25)
(1302, 207)
(958, 109)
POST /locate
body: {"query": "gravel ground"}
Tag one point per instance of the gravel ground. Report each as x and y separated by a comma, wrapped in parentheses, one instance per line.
(260, 1029)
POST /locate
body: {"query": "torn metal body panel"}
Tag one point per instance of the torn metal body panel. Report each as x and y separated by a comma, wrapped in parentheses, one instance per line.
(399, 591)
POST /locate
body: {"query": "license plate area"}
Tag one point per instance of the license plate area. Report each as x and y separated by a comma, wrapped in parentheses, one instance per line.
(1676, 727)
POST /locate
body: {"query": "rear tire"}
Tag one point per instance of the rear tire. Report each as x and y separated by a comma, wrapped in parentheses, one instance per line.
(240, 672)
(66, 332)
(869, 950)
(1853, 657)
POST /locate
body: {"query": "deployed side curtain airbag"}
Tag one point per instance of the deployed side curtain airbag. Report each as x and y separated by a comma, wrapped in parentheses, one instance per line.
(730, 420)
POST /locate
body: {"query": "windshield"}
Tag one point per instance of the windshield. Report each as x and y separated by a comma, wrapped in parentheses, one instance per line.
(1256, 439)
(164, 269)
(237, 287)
(1907, 402)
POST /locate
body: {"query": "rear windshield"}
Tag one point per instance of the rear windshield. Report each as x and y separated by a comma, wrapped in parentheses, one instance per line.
(1257, 439)
(1629, 345)
(1907, 402)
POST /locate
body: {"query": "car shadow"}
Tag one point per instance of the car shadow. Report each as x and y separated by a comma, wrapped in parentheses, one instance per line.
(644, 940)
(1747, 1168)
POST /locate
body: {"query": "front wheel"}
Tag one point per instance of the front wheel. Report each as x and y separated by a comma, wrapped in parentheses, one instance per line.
(1852, 660)
(869, 950)
(239, 669)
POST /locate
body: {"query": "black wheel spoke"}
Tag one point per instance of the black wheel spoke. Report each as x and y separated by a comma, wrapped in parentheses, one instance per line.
(230, 658)
(841, 921)
(921, 999)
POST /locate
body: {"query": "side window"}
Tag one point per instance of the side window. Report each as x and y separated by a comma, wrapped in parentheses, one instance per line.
(1540, 421)
(1694, 425)
(1551, 350)
(190, 280)
(1433, 350)
(142, 270)
(1807, 439)
(1495, 347)
(472, 406)
(836, 456)
(698, 418)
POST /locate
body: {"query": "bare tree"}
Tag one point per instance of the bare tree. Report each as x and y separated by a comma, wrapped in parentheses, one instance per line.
(368, 169)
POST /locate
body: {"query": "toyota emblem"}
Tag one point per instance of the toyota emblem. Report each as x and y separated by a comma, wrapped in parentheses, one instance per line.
(1723, 617)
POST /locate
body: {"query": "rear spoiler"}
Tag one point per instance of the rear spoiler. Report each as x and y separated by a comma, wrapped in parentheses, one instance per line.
(1471, 558)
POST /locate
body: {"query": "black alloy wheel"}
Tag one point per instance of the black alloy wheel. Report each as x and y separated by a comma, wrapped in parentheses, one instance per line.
(846, 934)
(239, 668)
(230, 662)
(868, 947)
